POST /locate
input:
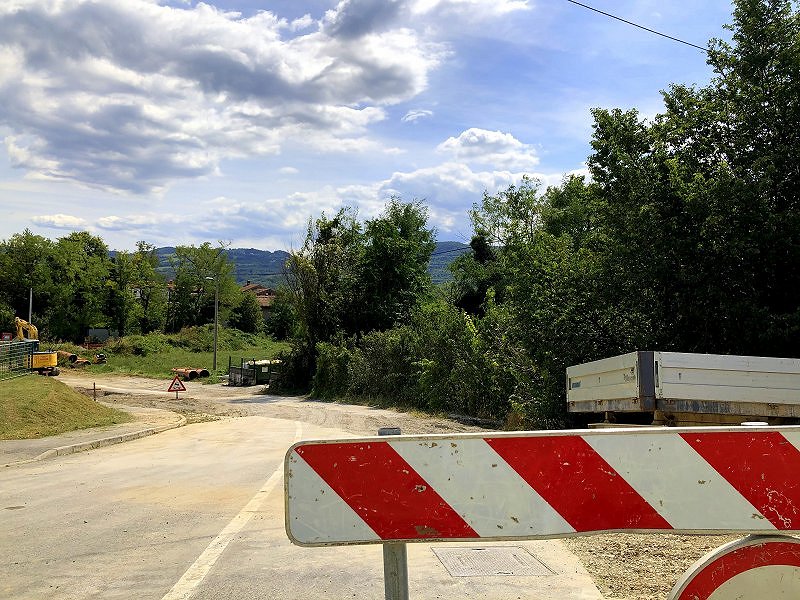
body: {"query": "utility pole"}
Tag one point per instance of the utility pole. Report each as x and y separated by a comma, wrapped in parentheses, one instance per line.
(216, 316)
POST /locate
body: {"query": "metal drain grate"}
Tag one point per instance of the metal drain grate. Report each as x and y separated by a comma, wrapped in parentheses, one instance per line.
(494, 560)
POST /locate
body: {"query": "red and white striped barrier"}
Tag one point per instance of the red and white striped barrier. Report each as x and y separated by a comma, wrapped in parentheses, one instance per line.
(543, 485)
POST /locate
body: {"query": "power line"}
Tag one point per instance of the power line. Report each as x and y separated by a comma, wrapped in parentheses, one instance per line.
(669, 37)
(464, 249)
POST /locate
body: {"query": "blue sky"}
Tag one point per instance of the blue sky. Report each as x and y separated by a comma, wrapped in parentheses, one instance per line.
(235, 121)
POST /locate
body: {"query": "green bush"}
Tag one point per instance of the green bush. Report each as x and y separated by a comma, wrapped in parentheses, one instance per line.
(201, 339)
(458, 370)
(439, 362)
(195, 339)
(138, 345)
(7, 318)
(297, 368)
(331, 375)
(381, 367)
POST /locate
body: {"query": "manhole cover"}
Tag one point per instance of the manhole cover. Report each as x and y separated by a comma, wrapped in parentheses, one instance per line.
(493, 560)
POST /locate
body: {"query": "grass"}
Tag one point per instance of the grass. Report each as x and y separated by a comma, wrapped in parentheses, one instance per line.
(34, 406)
(155, 354)
(158, 365)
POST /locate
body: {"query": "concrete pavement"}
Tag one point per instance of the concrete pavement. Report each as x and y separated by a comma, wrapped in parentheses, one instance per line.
(258, 560)
(147, 421)
(198, 512)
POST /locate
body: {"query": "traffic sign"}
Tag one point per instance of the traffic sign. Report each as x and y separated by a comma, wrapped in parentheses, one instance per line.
(176, 385)
(754, 568)
(533, 485)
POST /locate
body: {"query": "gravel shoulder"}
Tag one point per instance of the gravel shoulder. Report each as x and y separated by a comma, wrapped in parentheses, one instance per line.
(623, 566)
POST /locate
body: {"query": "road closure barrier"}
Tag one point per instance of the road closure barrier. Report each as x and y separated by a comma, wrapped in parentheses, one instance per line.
(537, 485)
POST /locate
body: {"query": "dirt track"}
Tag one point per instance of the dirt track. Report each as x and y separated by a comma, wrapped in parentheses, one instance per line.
(629, 567)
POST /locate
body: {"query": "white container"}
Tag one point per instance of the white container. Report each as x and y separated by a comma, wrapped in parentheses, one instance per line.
(683, 382)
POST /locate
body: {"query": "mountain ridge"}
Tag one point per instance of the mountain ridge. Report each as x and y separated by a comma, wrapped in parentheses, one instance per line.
(266, 267)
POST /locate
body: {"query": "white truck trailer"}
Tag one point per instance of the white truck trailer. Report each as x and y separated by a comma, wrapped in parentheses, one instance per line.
(688, 389)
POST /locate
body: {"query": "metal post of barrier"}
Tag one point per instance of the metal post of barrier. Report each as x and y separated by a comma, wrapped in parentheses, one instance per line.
(395, 558)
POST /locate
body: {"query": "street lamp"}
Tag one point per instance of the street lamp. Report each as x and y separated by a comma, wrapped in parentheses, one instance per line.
(216, 316)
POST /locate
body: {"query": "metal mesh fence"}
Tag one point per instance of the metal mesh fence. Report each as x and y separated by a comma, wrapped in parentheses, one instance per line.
(15, 358)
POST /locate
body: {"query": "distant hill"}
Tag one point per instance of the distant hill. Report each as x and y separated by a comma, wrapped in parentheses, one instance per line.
(266, 268)
(445, 253)
(249, 264)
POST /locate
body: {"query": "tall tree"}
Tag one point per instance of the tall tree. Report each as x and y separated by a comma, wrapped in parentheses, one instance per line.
(122, 309)
(734, 163)
(246, 315)
(200, 273)
(394, 272)
(149, 288)
(350, 279)
(323, 277)
(26, 262)
(83, 266)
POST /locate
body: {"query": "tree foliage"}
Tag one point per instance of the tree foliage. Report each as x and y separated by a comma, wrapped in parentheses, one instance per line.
(201, 273)
(246, 315)
(78, 284)
(350, 278)
(685, 237)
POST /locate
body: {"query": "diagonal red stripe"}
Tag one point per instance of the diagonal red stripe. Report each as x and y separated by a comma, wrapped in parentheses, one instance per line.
(578, 483)
(762, 466)
(383, 489)
(728, 566)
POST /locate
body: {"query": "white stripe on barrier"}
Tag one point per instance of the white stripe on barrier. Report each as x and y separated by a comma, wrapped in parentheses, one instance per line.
(687, 492)
(479, 485)
(792, 436)
(329, 517)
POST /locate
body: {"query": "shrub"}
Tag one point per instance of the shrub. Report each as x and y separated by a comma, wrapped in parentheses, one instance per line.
(454, 374)
(138, 345)
(297, 368)
(331, 375)
(382, 367)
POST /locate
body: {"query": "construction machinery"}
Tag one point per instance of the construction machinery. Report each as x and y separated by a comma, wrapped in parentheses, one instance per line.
(43, 362)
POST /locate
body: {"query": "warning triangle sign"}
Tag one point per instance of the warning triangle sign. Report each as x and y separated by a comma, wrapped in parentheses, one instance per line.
(176, 385)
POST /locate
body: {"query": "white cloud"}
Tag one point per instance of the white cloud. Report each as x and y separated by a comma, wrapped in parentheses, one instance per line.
(469, 9)
(132, 95)
(481, 161)
(415, 115)
(130, 222)
(448, 189)
(60, 221)
(490, 148)
(303, 22)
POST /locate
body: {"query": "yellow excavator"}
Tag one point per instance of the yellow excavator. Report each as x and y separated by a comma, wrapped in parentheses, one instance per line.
(44, 363)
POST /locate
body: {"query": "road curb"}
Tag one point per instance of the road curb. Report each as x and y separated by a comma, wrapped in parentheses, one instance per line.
(108, 441)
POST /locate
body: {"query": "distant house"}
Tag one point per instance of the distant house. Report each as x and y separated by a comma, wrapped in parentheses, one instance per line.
(264, 295)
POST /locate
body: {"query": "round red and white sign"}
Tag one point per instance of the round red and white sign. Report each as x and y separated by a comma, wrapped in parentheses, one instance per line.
(754, 568)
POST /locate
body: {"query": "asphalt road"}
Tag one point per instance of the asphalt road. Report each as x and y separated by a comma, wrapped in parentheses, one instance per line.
(197, 512)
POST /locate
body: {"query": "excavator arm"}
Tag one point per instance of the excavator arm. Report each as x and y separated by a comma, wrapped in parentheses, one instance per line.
(44, 363)
(25, 330)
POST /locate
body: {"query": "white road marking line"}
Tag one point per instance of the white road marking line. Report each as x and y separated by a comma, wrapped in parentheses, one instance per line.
(195, 574)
